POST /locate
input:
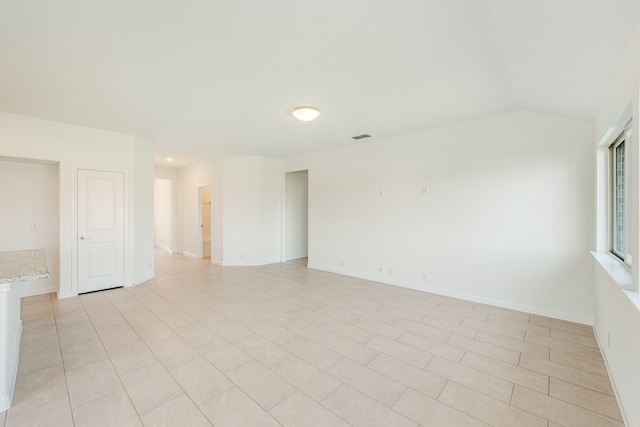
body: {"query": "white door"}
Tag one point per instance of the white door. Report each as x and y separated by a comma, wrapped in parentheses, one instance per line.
(100, 230)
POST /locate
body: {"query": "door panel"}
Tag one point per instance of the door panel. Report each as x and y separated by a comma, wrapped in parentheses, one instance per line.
(102, 257)
(100, 230)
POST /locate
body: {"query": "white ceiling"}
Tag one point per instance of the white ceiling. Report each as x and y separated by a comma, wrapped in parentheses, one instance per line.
(210, 76)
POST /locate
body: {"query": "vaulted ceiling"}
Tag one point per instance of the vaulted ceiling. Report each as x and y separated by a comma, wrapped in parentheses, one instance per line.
(198, 77)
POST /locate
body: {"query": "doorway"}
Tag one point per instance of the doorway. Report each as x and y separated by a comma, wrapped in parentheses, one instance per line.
(297, 215)
(205, 220)
(163, 214)
(100, 230)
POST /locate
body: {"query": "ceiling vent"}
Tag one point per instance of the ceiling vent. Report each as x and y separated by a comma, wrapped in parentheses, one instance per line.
(364, 135)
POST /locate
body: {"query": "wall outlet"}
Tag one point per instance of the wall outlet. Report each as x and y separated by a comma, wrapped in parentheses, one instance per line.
(424, 277)
(35, 227)
(381, 269)
(381, 191)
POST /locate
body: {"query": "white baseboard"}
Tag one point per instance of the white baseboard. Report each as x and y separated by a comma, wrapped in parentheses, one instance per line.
(5, 403)
(165, 248)
(144, 279)
(216, 262)
(185, 253)
(38, 291)
(467, 297)
(612, 378)
(64, 295)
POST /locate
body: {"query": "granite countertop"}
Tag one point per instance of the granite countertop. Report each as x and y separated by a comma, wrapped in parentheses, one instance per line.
(20, 266)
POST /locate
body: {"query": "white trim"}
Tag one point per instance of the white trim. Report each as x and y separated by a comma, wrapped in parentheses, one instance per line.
(39, 291)
(185, 253)
(165, 248)
(129, 221)
(622, 137)
(216, 262)
(63, 295)
(144, 279)
(15, 368)
(5, 403)
(283, 216)
(200, 240)
(473, 298)
(614, 385)
(617, 270)
(620, 124)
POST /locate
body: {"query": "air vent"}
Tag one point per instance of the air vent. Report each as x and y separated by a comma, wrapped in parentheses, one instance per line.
(364, 135)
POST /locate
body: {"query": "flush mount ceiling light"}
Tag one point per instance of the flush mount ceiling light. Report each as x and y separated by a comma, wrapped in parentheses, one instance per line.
(306, 113)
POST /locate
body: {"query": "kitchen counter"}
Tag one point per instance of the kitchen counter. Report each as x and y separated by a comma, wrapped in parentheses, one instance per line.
(20, 266)
(15, 267)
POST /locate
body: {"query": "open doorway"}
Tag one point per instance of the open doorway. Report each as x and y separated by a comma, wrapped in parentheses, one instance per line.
(297, 215)
(205, 220)
(163, 214)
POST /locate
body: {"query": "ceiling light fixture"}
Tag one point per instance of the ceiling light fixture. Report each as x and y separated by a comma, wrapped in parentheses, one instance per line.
(169, 159)
(306, 113)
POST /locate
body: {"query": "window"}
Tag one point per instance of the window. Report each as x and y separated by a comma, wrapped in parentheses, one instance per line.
(620, 155)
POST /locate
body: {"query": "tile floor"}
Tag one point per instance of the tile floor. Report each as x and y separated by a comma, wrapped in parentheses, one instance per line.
(203, 345)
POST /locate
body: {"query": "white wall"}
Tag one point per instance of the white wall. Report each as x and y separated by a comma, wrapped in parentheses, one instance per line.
(617, 316)
(30, 196)
(169, 175)
(252, 210)
(163, 214)
(297, 212)
(617, 310)
(497, 209)
(205, 219)
(246, 209)
(74, 147)
(271, 177)
(189, 232)
(143, 208)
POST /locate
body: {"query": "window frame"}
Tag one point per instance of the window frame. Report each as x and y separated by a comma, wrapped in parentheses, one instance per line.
(623, 139)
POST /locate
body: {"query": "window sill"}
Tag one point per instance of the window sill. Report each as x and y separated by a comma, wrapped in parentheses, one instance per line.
(619, 273)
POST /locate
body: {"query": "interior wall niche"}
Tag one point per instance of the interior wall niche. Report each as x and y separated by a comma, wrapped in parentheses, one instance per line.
(31, 215)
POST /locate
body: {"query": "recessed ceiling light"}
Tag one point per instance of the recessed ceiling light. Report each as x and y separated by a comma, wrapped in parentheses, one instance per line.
(306, 113)
(169, 159)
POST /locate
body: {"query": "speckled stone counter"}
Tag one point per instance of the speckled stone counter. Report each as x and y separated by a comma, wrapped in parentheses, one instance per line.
(19, 266)
(15, 267)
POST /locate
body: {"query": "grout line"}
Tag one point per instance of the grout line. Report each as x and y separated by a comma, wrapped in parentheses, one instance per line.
(195, 287)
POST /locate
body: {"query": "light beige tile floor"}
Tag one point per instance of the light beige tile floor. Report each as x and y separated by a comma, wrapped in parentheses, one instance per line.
(284, 345)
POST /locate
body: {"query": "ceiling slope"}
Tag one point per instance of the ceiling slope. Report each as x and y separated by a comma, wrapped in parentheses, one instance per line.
(203, 77)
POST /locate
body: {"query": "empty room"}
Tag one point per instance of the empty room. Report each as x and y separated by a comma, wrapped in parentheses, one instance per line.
(285, 213)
